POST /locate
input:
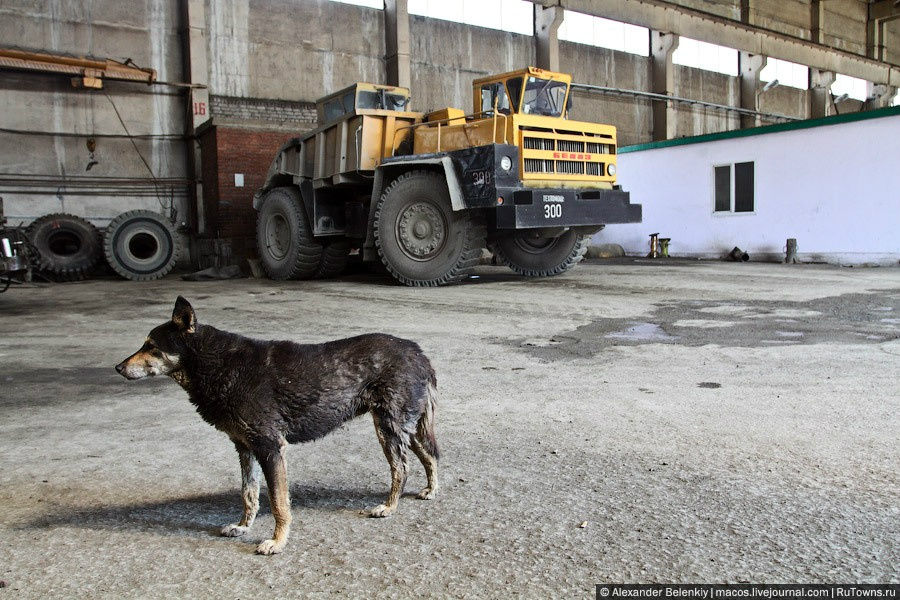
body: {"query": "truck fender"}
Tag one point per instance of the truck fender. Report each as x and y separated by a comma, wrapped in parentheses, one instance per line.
(388, 171)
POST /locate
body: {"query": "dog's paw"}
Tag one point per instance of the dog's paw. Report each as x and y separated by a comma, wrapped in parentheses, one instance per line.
(270, 547)
(427, 494)
(233, 530)
(381, 511)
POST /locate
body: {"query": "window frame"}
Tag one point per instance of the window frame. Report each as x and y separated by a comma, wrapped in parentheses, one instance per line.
(732, 188)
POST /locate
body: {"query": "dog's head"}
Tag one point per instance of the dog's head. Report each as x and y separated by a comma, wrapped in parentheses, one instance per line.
(161, 352)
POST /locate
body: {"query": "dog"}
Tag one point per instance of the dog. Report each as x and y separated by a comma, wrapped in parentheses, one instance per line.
(267, 394)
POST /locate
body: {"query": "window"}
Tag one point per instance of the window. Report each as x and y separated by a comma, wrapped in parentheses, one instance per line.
(604, 33)
(505, 15)
(853, 87)
(367, 3)
(494, 93)
(701, 55)
(785, 73)
(896, 101)
(734, 195)
(544, 97)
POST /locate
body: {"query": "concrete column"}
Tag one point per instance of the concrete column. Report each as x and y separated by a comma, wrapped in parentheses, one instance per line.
(546, 26)
(662, 80)
(816, 21)
(749, 66)
(745, 11)
(196, 68)
(821, 103)
(879, 96)
(396, 43)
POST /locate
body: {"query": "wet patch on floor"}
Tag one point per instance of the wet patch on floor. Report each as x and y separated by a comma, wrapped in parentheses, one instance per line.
(847, 319)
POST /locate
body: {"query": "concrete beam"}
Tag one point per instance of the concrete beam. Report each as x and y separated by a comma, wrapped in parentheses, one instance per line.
(821, 104)
(658, 15)
(816, 21)
(662, 81)
(546, 26)
(749, 66)
(396, 42)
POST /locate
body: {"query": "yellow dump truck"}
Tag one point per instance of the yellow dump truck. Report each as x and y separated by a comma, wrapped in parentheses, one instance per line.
(425, 193)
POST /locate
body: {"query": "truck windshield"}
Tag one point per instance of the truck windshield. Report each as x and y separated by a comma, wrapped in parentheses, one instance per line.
(544, 97)
(381, 99)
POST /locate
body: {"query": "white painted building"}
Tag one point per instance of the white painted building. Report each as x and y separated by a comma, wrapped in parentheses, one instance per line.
(832, 183)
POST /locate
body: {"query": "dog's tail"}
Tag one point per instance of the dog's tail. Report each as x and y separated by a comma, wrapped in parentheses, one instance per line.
(425, 429)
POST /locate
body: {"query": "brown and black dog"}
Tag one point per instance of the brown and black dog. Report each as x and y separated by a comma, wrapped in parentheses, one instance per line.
(267, 394)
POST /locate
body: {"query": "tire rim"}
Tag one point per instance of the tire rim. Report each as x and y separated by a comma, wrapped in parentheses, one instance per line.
(278, 236)
(535, 245)
(141, 246)
(421, 231)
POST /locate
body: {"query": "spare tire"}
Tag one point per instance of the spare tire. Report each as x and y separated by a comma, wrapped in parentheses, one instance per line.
(68, 246)
(140, 245)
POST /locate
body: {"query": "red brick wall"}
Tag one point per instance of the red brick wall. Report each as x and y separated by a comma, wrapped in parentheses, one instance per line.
(229, 209)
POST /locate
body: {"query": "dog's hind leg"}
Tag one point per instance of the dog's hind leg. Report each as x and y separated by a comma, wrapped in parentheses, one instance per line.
(250, 478)
(394, 442)
(430, 462)
(271, 457)
(425, 446)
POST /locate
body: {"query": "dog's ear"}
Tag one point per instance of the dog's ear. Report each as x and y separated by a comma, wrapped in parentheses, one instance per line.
(183, 315)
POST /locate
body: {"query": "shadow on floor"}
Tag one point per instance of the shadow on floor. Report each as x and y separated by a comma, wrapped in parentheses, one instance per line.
(205, 513)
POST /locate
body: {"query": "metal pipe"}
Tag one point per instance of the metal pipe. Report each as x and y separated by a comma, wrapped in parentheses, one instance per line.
(667, 98)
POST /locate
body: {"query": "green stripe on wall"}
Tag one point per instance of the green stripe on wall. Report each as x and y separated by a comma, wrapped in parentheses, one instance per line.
(792, 126)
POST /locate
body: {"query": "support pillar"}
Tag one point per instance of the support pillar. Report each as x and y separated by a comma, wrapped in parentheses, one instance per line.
(746, 9)
(546, 27)
(817, 21)
(821, 104)
(662, 80)
(749, 66)
(396, 43)
(196, 68)
(879, 96)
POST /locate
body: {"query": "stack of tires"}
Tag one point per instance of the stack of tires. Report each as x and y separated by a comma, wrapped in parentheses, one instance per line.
(139, 245)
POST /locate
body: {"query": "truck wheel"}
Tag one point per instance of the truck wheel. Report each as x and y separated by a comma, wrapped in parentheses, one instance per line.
(284, 240)
(540, 257)
(421, 240)
(334, 259)
(140, 245)
(68, 246)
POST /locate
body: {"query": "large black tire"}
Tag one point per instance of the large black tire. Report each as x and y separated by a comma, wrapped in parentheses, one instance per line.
(334, 259)
(540, 257)
(68, 246)
(140, 245)
(284, 240)
(421, 240)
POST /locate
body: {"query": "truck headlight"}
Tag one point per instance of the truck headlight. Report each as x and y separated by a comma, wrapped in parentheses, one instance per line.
(506, 163)
(611, 169)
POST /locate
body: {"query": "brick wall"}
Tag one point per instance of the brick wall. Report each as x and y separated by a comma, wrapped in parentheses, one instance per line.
(228, 208)
(279, 113)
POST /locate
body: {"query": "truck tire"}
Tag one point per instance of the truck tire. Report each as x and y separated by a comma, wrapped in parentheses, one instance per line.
(421, 240)
(334, 259)
(68, 246)
(540, 257)
(284, 240)
(140, 245)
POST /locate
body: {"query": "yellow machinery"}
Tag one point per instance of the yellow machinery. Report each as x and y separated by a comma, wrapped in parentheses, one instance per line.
(425, 193)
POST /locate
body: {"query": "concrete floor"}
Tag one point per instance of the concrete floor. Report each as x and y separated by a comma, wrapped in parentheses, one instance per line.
(630, 421)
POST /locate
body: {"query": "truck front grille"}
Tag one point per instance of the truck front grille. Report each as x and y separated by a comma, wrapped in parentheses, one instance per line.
(570, 156)
(536, 165)
(533, 143)
(570, 167)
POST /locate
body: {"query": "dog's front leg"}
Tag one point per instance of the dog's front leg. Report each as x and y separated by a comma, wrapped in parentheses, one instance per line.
(250, 478)
(271, 457)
